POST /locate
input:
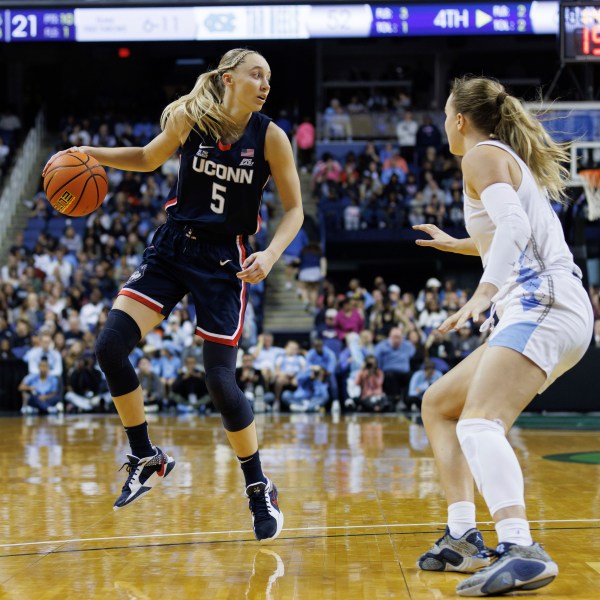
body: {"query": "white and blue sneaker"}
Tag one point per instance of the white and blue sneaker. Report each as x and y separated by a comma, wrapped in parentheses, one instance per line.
(144, 474)
(267, 518)
(515, 568)
(465, 554)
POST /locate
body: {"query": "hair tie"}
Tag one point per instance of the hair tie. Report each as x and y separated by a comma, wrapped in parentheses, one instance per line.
(500, 98)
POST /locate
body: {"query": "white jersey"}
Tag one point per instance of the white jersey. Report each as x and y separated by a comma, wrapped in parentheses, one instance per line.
(545, 313)
(546, 251)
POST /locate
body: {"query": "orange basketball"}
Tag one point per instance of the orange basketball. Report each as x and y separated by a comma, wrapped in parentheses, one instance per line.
(75, 184)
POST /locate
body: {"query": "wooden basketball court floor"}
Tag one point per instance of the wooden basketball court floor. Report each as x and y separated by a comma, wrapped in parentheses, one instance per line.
(360, 496)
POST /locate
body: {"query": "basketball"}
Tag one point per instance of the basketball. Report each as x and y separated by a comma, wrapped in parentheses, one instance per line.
(75, 184)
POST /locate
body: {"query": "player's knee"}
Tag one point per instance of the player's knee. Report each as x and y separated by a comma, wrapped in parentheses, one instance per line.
(117, 339)
(433, 404)
(223, 388)
(430, 399)
(228, 399)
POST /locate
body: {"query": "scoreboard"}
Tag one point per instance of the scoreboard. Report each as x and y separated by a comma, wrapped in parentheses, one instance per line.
(37, 25)
(299, 21)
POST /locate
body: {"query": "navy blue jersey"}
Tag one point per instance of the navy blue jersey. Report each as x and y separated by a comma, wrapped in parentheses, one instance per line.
(219, 190)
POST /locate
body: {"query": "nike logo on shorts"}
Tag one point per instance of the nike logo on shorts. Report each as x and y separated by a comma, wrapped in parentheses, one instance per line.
(224, 262)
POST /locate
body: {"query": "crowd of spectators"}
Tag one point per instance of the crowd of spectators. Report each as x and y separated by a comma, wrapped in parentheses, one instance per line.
(380, 189)
(381, 336)
(388, 185)
(371, 349)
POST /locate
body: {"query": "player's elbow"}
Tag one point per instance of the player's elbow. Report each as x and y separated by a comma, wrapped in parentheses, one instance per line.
(295, 211)
(517, 228)
(149, 161)
(149, 166)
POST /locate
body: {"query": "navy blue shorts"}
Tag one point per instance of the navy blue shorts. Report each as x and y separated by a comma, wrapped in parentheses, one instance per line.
(180, 261)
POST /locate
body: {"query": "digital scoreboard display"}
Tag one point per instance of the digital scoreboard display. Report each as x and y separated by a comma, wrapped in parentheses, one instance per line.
(301, 21)
(37, 25)
(465, 19)
(580, 31)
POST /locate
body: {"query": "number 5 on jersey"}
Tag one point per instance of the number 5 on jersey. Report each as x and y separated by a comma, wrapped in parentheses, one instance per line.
(218, 199)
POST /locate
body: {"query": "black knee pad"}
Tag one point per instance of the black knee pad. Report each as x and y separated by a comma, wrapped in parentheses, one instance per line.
(228, 399)
(119, 336)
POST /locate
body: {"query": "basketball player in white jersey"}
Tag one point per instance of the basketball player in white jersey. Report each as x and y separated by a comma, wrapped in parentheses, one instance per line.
(511, 168)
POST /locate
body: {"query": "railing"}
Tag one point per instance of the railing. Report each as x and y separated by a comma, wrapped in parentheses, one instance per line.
(21, 173)
(369, 125)
(357, 126)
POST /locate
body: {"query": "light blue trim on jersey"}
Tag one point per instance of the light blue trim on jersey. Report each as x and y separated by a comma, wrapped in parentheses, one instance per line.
(515, 336)
(530, 282)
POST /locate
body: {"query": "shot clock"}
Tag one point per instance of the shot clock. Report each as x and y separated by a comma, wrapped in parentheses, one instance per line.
(580, 31)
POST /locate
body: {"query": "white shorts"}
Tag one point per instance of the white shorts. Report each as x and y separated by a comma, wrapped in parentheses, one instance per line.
(310, 274)
(548, 319)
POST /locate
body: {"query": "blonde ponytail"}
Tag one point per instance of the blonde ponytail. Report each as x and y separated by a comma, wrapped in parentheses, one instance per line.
(203, 105)
(501, 116)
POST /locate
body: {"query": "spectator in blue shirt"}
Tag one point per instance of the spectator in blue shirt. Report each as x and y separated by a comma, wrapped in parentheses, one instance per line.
(325, 358)
(287, 367)
(350, 362)
(420, 381)
(285, 123)
(291, 257)
(312, 392)
(40, 390)
(328, 332)
(393, 357)
(168, 366)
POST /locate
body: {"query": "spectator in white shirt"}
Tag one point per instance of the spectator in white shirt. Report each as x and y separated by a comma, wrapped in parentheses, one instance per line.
(45, 348)
(432, 315)
(406, 132)
(264, 354)
(89, 312)
(79, 136)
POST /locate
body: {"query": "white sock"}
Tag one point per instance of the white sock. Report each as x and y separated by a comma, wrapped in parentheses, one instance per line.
(493, 463)
(515, 531)
(461, 518)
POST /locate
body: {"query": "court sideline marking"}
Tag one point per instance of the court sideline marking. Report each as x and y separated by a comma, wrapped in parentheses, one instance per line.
(594, 565)
(291, 529)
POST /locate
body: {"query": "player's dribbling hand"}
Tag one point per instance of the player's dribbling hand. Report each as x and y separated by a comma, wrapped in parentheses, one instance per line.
(60, 153)
(439, 239)
(256, 267)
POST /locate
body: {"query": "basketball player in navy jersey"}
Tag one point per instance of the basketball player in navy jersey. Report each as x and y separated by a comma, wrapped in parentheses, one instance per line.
(228, 152)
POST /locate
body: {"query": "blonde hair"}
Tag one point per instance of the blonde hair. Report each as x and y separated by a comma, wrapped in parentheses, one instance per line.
(501, 116)
(203, 106)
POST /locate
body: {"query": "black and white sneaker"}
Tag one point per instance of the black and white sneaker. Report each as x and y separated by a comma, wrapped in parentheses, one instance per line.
(267, 518)
(144, 474)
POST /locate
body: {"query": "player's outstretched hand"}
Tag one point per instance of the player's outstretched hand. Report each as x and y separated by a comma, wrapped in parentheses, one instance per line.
(439, 239)
(473, 309)
(256, 267)
(60, 153)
